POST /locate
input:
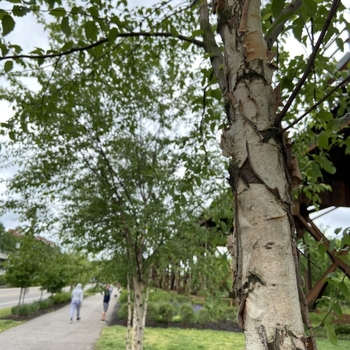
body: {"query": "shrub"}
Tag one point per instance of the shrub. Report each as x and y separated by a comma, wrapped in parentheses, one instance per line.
(25, 309)
(228, 313)
(181, 298)
(159, 295)
(203, 316)
(60, 298)
(176, 319)
(187, 314)
(122, 312)
(2, 280)
(342, 330)
(152, 311)
(166, 311)
(45, 304)
(123, 297)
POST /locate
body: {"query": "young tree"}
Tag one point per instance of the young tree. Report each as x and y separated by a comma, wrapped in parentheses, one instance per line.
(7, 240)
(262, 169)
(24, 266)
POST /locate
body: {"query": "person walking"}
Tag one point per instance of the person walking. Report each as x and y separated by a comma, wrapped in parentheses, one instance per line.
(76, 302)
(106, 298)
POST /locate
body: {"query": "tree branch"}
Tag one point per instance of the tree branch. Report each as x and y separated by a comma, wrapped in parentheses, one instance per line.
(310, 62)
(103, 41)
(278, 24)
(211, 47)
(317, 104)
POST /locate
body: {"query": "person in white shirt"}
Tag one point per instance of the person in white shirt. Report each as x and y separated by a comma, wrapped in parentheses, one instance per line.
(77, 300)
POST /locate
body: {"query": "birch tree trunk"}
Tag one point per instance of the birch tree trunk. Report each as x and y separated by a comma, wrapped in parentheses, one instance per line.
(265, 278)
(128, 337)
(138, 315)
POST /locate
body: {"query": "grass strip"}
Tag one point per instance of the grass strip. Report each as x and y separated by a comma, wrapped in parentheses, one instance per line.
(113, 338)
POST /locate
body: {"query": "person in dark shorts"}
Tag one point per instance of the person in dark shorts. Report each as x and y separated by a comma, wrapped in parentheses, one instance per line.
(106, 298)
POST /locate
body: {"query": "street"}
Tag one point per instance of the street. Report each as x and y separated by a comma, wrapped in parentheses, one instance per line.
(9, 296)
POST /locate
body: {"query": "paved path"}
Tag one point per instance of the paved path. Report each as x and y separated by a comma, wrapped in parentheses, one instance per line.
(54, 332)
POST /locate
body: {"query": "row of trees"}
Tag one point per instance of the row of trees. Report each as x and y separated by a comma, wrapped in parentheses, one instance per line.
(116, 144)
(35, 263)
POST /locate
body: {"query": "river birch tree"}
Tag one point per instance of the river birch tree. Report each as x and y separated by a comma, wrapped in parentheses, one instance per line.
(241, 48)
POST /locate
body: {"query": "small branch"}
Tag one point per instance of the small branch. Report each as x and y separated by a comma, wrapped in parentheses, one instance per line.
(103, 41)
(317, 104)
(211, 47)
(278, 24)
(310, 62)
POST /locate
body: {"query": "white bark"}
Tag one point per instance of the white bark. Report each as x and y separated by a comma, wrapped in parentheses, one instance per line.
(128, 336)
(138, 315)
(265, 272)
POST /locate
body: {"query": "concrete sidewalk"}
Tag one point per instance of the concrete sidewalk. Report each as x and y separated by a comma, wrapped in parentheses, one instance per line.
(54, 332)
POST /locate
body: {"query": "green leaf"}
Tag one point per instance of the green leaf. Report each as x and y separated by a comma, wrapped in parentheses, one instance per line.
(174, 31)
(12, 135)
(315, 170)
(66, 27)
(8, 24)
(8, 66)
(327, 165)
(331, 333)
(323, 140)
(298, 26)
(186, 45)
(277, 7)
(324, 116)
(19, 11)
(112, 35)
(311, 7)
(58, 12)
(91, 30)
(337, 230)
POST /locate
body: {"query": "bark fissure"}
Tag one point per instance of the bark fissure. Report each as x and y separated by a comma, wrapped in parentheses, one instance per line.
(260, 174)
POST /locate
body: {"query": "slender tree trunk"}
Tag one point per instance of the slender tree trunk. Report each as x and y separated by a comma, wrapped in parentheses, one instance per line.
(145, 305)
(138, 315)
(262, 246)
(128, 336)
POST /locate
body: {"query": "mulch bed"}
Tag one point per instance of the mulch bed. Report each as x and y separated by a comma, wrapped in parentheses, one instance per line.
(227, 326)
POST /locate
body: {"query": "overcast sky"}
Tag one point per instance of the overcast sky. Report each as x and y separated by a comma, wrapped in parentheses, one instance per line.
(29, 35)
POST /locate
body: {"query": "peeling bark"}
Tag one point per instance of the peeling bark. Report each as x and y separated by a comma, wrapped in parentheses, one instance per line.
(262, 246)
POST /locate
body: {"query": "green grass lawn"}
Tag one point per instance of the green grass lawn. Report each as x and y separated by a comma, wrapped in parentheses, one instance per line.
(5, 312)
(189, 339)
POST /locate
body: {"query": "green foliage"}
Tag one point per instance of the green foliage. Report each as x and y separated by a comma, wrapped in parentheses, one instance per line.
(166, 311)
(342, 330)
(25, 309)
(152, 311)
(203, 316)
(123, 297)
(61, 298)
(2, 280)
(187, 314)
(45, 304)
(122, 312)
(23, 267)
(7, 240)
(160, 295)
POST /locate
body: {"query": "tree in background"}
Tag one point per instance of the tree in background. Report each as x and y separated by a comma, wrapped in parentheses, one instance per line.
(7, 240)
(262, 169)
(24, 266)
